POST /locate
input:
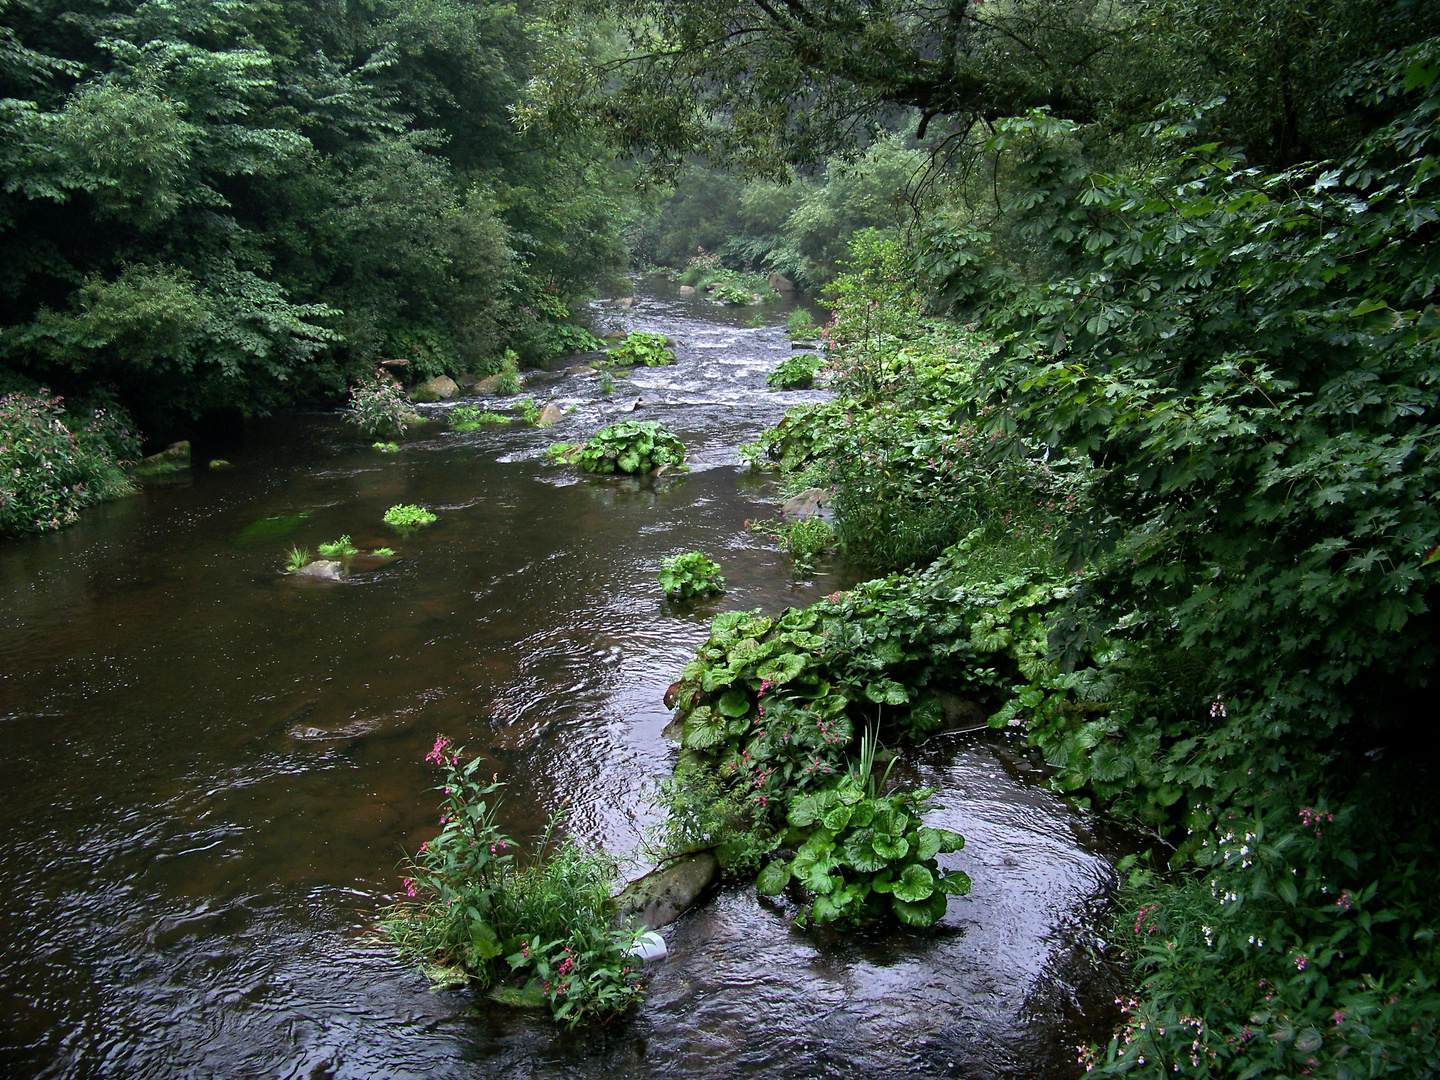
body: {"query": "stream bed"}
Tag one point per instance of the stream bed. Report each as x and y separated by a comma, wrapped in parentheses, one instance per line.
(211, 771)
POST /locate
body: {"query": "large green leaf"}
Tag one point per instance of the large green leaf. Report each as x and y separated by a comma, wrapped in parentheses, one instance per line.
(933, 841)
(734, 702)
(915, 883)
(926, 912)
(836, 818)
(703, 729)
(955, 882)
(891, 848)
(782, 668)
(773, 879)
(860, 852)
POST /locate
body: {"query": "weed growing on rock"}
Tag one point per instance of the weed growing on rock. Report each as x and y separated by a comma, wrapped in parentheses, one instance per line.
(683, 577)
(406, 517)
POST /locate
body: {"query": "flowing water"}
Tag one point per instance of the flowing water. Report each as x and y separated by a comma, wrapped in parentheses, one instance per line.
(211, 770)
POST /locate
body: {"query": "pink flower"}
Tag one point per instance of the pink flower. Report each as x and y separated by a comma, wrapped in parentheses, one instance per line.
(1300, 963)
(439, 753)
(409, 888)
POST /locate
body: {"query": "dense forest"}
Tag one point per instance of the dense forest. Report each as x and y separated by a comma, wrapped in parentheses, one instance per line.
(1135, 372)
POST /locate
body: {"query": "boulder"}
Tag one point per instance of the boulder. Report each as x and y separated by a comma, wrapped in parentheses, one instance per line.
(960, 712)
(809, 503)
(622, 302)
(663, 895)
(550, 414)
(486, 387)
(322, 570)
(465, 381)
(614, 335)
(440, 388)
(176, 456)
(781, 284)
(687, 290)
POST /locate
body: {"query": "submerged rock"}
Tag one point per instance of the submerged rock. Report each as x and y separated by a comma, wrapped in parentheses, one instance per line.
(174, 457)
(809, 503)
(663, 895)
(687, 290)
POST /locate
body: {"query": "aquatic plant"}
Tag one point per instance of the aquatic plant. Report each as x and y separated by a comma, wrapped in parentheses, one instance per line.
(802, 540)
(408, 516)
(338, 549)
(540, 930)
(385, 551)
(217, 464)
(378, 407)
(607, 383)
(683, 577)
(642, 347)
(530, 412)
(564, 453)
(632, 446)
(796, 373)
(386, 447)
(801, 324)
(297, 559)
(508, 383)
(465, 417)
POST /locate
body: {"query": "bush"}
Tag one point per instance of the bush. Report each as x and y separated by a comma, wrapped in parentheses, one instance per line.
(642, 347)
(801, 324)
(632, 446)
(802, 540)
(378, 408)
(689, 575)
(474, 913)
(508, 385)
(53, 465)
(796, 373)
(406, 517)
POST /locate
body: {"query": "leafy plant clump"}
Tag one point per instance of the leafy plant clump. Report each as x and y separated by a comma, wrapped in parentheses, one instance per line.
(508, 383)
(385, 552)
(378, 407)
(801, 325)
(535, 931)
(530, 412)
(631, 446)
(408, 516)
(386, 447)
(297, 558)
(803, 540)
(642, 347)
(338, 549)
(466, 417)
(796, 373)
(683, 577)
(54, 464)
(564, 453)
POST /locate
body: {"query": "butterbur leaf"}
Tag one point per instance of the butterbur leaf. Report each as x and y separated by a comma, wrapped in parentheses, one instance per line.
(915, 883)
(483, 940)
(926, 912)
(836, 818)
(891, 848)
(883, 882)
(930, 842)
(773, 879)
(861, 854)
(703, 729)
(734, 702)
(954, 882)
(861, 814)
(849, 792)
(782, 668)
(805, 811)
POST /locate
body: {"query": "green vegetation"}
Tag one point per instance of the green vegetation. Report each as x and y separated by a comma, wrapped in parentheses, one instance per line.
(607, 383)
(535, 931)
(642, 347)
(466, 417)
(801, 324)
(54, 463)
(631, 446)
(297, 559)
(803, 540)
(796, 373)
(338, 549)
(386, 447)
(530, 411)
(564, 453)
(386, 552)
(406, 517)
(683, 577)
(509, 381)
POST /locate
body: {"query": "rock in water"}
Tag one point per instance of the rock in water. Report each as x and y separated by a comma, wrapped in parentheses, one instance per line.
(322, 570)
(781, 284)
(809, 503)
(661, 896)
(687, 290)
(550, 414)
(440, 388)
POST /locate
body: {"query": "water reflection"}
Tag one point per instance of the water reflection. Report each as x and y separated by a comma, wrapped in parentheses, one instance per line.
(212, 773)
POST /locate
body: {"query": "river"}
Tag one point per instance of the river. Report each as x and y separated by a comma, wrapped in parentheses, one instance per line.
(211, 770)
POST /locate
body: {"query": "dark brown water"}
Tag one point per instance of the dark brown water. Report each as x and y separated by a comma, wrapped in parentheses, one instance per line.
(211, 771)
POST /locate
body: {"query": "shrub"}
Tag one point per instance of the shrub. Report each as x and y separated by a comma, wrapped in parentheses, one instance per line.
(642, 347)
(802, 540)
(406, 517)
(53, 465)
(530, 412)
(632, 446)
(689, 575)
(466, 417)
(801, 324)
(796, 373)
(474, 913)
(378, 407)
(508, 385)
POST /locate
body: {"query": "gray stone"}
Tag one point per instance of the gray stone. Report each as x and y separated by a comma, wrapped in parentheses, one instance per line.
(174, 456)
(322, 570)
(781, 284)
(486, 387)
(809, 503)
(687, 290)
(614, 335)
(440, 388)
(663, 895)
(550, 414)
(465, 381)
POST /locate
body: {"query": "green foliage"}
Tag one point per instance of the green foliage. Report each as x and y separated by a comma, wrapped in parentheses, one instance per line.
(544, 927)
(803, 540)
(530, 411)
(297, 558)
(796, 373)
(642, 347)
(564, 453)
(378, 407)
(509, 381)
(338, 549)
(467, 417)
(406, 517)
(383, 551)
(386, 447)
(631, 446)
(683, 577)
(54, 464)
(801, 324)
